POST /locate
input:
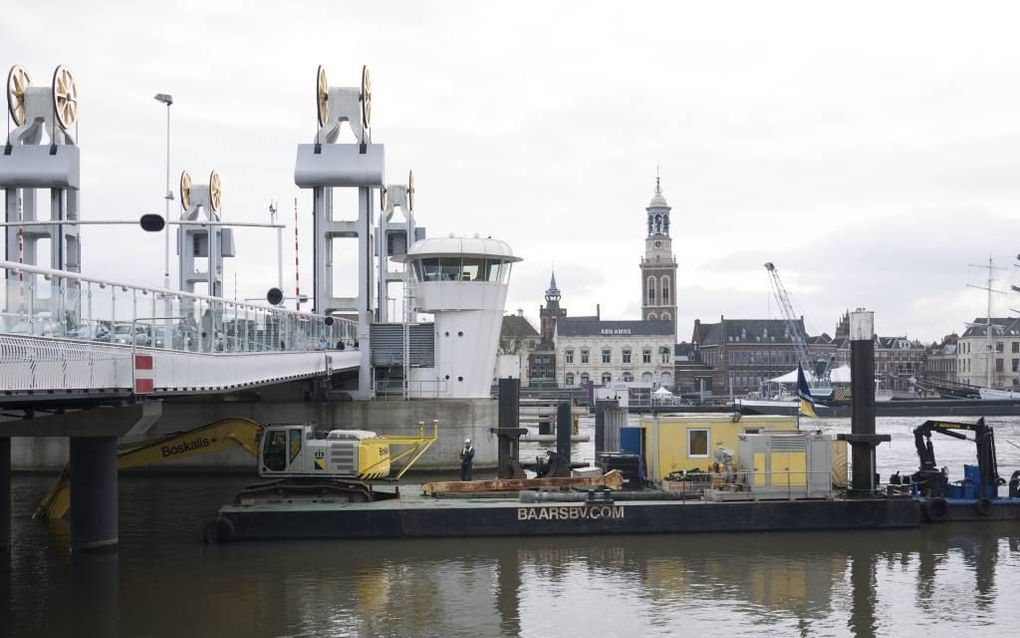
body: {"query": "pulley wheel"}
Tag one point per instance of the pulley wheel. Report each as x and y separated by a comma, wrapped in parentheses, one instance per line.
(65, 97)
(322, 96)
(215, 190)
(185, 190)
(410, 189)
(18, 82)
(366, 98)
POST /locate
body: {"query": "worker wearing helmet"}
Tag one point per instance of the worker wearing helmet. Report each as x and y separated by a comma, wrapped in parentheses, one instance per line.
(467, 457)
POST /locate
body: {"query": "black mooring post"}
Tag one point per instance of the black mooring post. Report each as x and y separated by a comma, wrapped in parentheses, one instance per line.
(509, 417)
(5, 494)
(862, 386)
(862, 437)
(563, 430)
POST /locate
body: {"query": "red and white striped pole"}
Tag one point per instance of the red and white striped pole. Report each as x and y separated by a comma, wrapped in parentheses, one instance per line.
(21, 238)
(297, 262)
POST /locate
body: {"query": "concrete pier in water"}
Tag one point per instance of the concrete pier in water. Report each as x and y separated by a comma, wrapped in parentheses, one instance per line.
(94, 516)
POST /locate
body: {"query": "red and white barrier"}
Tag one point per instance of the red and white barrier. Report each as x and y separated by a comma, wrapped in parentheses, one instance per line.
(145, 379)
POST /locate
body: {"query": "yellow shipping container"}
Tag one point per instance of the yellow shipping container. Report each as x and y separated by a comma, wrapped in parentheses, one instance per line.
(680, 442)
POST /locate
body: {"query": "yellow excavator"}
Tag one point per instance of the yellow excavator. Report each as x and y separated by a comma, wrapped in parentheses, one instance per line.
(295, 457)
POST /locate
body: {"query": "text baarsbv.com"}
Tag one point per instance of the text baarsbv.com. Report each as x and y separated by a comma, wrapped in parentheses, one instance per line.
(574, 513)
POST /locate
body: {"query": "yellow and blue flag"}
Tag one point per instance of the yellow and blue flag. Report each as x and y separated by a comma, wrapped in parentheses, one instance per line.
(807, 402)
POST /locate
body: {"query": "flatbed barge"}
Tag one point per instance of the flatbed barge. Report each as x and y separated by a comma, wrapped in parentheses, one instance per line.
(415, 516)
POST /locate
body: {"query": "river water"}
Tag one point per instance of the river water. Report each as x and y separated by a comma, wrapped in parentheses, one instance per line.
(162, 581)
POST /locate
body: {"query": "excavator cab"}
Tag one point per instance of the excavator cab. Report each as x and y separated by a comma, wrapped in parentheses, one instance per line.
(281, 448)
(295, 451)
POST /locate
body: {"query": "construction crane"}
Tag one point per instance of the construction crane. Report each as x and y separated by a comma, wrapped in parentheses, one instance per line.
(799, 342)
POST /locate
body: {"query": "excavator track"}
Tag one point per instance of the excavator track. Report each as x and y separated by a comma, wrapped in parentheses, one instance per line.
(319, 490)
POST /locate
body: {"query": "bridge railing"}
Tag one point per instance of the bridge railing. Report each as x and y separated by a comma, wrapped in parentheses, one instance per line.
(52, 303)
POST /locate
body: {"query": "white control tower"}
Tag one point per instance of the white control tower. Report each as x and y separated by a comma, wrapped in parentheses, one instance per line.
(462, 281)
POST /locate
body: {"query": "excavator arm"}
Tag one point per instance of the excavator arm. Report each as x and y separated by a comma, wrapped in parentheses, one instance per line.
(984, 438)
(219, 436)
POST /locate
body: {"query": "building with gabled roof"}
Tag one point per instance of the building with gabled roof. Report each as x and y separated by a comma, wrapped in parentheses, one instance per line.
(992, 360)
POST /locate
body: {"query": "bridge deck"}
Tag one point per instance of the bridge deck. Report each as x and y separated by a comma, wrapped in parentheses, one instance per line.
(43, 367)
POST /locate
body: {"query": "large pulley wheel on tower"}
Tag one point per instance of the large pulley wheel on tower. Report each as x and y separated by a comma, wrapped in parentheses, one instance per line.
(410, 190)
(65, 97)
(215, 191)
(366, 98)
(18, 82)
(322, 96)
(185, 190)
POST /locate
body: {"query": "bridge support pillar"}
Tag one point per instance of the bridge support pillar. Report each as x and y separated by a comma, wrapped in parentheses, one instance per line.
(5, 494)
(94, 523)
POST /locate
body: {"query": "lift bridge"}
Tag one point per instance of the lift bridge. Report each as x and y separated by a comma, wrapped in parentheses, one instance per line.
(67, 339)
(95, 360)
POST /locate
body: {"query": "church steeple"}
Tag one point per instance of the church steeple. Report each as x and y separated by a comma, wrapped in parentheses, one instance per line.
(658, 212)
(549, 314)
(552, 294)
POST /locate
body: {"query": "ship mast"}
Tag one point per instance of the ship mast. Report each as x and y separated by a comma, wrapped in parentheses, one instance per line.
(989, 353)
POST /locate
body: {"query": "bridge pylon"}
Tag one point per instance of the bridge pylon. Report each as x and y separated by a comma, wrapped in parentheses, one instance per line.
(327, 164)
(40, 157)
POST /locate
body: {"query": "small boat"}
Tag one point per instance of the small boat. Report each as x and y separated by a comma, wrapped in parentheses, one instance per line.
(994, 394)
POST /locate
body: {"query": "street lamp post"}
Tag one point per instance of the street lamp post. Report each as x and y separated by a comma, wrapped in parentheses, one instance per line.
(168, 100)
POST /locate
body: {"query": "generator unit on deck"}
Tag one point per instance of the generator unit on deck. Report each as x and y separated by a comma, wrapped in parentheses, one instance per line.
(786, 465)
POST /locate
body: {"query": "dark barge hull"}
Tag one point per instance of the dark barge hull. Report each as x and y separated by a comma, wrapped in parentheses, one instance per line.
(956, 510)
(430, 518)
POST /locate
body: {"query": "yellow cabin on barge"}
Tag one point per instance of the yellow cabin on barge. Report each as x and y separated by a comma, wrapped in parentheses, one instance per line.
(683, 442)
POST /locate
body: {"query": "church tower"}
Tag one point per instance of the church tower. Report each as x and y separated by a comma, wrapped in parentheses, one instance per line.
(549, 313)
(658, 266)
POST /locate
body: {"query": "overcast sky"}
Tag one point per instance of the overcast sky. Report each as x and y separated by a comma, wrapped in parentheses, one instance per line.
(871, 152)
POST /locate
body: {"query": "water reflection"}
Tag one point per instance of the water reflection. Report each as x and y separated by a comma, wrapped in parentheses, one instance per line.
(162, 581)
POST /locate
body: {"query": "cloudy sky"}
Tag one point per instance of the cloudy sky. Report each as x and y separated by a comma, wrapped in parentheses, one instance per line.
(871, 151)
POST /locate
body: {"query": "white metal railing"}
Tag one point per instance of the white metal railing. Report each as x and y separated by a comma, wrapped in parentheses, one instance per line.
(52, 303)
(47, 364)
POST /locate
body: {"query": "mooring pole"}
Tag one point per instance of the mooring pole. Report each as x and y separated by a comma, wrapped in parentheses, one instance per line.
(563, 431)
(862, 437)
(5, 494)
(508, 432)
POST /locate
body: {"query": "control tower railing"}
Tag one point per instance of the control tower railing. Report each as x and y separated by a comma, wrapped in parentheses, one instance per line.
(42, 302)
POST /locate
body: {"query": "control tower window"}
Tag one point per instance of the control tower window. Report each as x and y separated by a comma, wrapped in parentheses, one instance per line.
(429, 268)
(493, 267)
(449, 268)
(473, 269)
(458, 268)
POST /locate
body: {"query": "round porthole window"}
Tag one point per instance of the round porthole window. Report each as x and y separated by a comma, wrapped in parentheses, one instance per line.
(447, 377)
(447, 333)
(460, 378)
(460, 333)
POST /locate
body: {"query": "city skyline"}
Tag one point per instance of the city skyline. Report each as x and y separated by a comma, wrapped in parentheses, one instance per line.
(870, 168)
